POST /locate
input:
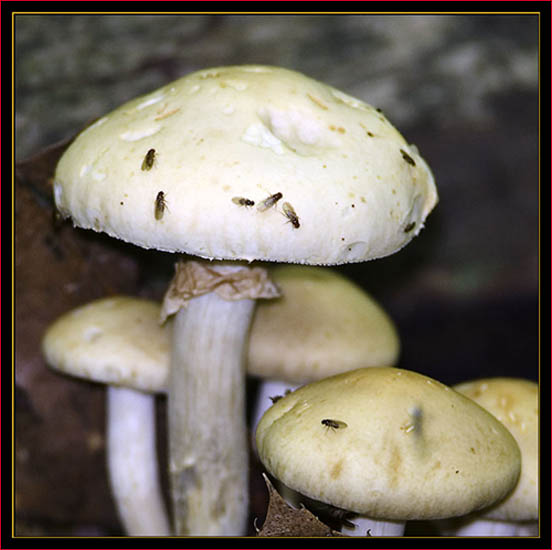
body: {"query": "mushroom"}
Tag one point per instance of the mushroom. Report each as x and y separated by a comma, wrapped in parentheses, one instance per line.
(238, 163)
(389, 444)
(514, 402)
(323, 324)
(118, 341)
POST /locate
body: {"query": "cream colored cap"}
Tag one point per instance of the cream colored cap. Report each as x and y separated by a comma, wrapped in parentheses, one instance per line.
(167, 171)
(403, 446)
(323, 324)
(114, 340)
(514, 402)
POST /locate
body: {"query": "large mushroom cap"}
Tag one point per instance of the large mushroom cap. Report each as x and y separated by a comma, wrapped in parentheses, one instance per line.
(323, 324)
(168, 170)
(115, 340)
(395, 445)
(514, 402)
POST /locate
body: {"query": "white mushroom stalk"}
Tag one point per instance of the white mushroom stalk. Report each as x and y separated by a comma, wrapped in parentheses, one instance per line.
(132, 462)
(473, 526)
(375, 528)
(208, 443)
(208, 446)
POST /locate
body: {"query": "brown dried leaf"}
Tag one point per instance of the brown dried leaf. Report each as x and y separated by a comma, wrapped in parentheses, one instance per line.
(284, 521)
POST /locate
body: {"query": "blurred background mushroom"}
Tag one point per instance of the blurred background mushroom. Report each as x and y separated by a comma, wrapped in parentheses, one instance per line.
(459, 87)
(118, 341)
(514, 402)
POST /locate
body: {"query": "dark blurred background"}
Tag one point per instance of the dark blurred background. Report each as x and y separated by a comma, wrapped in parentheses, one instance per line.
(464, 293)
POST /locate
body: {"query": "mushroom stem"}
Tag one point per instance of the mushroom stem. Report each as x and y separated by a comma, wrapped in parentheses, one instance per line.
(374, 527)
(470, 527)
(132, 462)
(206, 408)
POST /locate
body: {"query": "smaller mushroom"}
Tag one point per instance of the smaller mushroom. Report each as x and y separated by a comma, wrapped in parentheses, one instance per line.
(389, 444)
(514, 402)
(118, 341)
(323, 324)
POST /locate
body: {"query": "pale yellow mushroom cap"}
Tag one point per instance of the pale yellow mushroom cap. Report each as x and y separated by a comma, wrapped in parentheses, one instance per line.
(514, 402)
(358, 190)
(405, 446)
(323, 324)
(114, 340)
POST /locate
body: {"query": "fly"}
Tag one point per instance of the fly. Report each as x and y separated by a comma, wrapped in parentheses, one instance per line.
(149, 159)
(268, 202)
(407, 158)
(409, 227)
(242, 201)
(278, 397)
(160, 205)
(333, 424)
(290, 214)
